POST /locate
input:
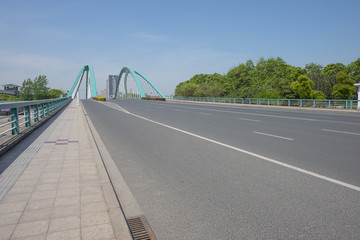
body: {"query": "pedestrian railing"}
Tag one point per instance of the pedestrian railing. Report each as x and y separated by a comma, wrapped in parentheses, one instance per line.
(311, 103)
(22, 114)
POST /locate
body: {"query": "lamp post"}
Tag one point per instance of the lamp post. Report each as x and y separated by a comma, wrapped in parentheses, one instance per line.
(358, 87)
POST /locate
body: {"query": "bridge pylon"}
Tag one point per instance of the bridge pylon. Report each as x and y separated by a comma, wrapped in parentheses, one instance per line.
(90, 83)
(140, 84)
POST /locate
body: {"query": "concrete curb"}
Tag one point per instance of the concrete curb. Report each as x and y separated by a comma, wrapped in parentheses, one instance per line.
(271, 107)
(125, 205)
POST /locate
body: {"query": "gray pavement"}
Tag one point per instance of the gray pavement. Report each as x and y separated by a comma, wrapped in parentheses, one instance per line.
(61, 189)
(191, 188)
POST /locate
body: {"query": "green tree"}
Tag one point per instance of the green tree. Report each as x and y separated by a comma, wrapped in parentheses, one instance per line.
(354, 70)
(40, 88)
(55, 93)
(345, 88)
(303, 87)
(6, 97)
(318, 94)
(26, 90)
(321, 83)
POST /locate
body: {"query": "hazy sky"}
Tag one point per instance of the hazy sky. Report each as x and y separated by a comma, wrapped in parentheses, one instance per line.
(169, 41)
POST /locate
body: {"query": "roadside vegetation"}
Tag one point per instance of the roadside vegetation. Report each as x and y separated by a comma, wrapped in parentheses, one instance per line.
(274, 78)
(37, 89)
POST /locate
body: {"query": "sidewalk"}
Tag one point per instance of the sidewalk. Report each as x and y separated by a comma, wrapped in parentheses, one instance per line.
(64, 192)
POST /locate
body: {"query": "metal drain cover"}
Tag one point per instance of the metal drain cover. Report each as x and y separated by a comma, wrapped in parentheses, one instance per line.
(140, 228)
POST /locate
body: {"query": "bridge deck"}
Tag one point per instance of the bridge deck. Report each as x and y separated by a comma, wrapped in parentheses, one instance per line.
(63, 189)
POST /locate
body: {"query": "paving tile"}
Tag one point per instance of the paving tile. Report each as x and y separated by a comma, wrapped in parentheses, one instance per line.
(84, 190)
(64, 223)
(94, 207)
(12, 207)
(50, 174)
(35, 237)
(97, 218)
(36, 215)
(70, 173)
(22, 189)
(67, 185)
(6, 231)
(18, 197)
(90, 183)
(67, 200)
(48, 180)
(31, 229)
(92, 198)
(25, 183)
(46, 187)
(68, 192)
(65, 211)
(9, 218)
(73, 234)
(66, 179)
(39, 204)
(37, 195)
(85, 178)
(101, 232)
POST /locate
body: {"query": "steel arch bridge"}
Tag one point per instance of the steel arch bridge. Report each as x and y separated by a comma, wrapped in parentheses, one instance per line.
(91, 85)
(135, 74)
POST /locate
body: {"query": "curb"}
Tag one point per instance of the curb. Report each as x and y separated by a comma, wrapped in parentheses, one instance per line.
(271, 107)
(131, 212)
(117, 216)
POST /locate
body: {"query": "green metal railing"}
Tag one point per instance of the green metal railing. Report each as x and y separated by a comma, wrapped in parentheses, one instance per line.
(27, 112)
(311, 103)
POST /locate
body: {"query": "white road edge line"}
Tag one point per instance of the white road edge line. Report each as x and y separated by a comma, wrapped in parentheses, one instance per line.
(336, 131)
(248, 119)
(207, 114)
(353, 187)
(275, 136)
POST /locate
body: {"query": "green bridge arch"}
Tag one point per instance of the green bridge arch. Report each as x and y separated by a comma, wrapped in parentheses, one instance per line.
(135, 74)
(90, 83)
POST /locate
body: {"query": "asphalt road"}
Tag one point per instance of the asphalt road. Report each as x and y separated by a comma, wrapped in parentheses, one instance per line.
(192, 181)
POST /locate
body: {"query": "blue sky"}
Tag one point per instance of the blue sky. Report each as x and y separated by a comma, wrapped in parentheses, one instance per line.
(169, 41)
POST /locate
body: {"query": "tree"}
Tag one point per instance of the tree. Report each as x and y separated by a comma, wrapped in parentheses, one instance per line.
(315, 72)
(345, 88)
(40, 87)
(6, 97)
(34, 89)
(354, 70)
(318, 94)
(55, 93)
(303, 87)
(26, 90)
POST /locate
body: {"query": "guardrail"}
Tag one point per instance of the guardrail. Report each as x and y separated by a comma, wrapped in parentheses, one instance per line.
(24, 113)
(312, 103)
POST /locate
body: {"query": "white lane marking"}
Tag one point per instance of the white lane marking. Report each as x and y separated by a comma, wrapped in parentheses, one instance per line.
(356, 188)
(275, 136)
(248, 119)
(207, 114)
(179, 110)
(336, 131)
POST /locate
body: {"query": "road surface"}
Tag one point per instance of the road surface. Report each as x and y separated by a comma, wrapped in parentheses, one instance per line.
(222, 172)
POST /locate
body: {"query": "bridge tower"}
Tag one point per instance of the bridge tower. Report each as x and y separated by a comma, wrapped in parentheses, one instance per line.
(141, 81)
(90, 83)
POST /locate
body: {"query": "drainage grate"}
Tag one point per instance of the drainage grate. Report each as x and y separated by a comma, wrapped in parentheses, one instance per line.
(140, 228)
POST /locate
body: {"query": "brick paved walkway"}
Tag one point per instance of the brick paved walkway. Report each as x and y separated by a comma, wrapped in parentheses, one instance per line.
(64, 193)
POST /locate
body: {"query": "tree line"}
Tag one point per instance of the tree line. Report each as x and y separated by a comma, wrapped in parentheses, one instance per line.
(35, 89)
(274, 78)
